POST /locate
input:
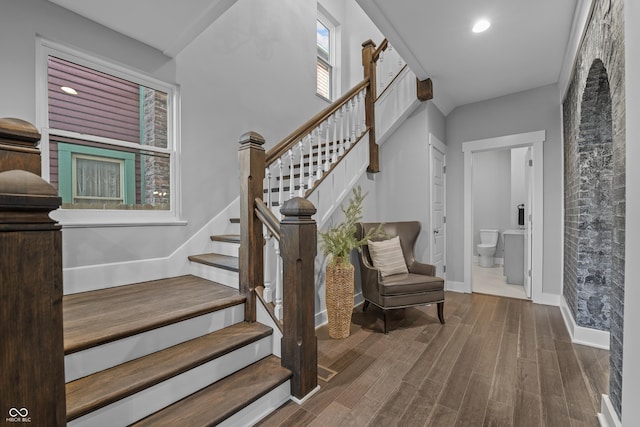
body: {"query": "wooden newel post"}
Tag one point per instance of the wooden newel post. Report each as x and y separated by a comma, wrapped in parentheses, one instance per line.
(298, 240)
(32, 388)
(369, 64)
(251, 263)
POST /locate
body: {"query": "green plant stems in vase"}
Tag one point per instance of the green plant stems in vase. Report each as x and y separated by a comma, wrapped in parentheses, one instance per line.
(338, 242)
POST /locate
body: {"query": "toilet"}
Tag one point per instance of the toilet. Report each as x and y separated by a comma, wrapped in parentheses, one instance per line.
(487, 246)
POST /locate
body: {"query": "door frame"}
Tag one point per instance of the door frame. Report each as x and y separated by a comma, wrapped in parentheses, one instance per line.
(535, 141)
(440, 146)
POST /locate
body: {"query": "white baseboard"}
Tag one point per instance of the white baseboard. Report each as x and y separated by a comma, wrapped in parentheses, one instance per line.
(608, 416)
(450, 285)
(100, 276)
(580, 334)
(550, 299)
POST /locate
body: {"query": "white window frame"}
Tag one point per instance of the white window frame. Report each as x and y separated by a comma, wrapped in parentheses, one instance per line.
(74, 175)
(334, 52)
(104, 217)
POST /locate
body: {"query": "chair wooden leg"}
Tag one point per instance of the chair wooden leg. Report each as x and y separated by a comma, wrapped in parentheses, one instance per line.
(441, 312)
(386, 321)
(365, 305)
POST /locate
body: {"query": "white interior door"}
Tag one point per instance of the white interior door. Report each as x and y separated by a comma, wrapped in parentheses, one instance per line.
(437, 229)
(528, 185)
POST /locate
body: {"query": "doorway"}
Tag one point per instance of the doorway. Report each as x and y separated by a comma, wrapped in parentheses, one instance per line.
(534, 216)
(437, 219)
(500, 206)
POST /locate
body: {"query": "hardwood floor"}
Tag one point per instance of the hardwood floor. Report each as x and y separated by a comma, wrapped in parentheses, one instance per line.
(496, 362)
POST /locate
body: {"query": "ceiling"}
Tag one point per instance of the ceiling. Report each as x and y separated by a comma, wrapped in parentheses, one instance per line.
(173, 24)
(524, 48)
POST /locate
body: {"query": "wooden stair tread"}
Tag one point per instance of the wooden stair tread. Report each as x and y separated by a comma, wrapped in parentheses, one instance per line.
(215, 403)
(97, 317)
(229, 238)
(87, 394)
(217, 260)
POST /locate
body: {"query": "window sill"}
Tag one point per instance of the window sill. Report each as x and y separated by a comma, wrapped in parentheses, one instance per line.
(324, 98)
(69, 218)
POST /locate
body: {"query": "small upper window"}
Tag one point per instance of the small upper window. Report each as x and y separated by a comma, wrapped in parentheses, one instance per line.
(325, 56)
(109, 137)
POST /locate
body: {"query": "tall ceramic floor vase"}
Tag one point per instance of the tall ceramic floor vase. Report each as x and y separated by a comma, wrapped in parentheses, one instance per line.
(339, 298)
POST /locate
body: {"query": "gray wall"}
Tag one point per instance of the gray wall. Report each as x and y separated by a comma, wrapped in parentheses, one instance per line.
(527, 111)
(518, 183)
(491, 195)
(402, 185)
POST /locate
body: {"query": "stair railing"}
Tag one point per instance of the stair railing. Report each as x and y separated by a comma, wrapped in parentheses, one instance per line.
(278, 236)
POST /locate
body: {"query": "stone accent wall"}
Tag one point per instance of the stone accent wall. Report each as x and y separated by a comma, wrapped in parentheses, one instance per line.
(594, 137)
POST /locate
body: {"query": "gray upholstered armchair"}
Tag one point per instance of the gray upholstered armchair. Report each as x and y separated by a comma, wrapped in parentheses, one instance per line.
(418, 286)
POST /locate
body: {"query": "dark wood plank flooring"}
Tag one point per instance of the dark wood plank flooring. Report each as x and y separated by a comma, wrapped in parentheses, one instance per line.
(496, 362)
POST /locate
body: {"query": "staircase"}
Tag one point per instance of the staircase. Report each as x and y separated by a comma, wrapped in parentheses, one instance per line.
(187, 350)
(175, 351)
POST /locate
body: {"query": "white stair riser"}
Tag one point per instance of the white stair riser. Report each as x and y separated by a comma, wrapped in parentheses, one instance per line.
(260, 408)
(95, 359)
(150, 400)
(225, 248)
(231, 227)
(219, 275)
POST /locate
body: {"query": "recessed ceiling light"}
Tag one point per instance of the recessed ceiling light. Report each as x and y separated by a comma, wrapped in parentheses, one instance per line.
(481, 25)
(69, 90)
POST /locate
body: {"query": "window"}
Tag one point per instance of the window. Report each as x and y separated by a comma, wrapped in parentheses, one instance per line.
(108, 137)
(325, 47)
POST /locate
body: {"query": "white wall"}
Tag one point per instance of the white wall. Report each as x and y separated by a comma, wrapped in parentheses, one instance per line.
(630, 366)
(253, 69)
(518, 189)
(491, 195)
(532, 110)
(20, 23)
(402, 185)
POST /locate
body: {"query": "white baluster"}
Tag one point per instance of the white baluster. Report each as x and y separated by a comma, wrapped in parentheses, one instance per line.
(310, 166)
(327, 157)
(336, 143)
(268, 290)
(342, 142)
(353, 120)
(267, 294)
(347, 137)
(301, 170)
(363, 113)
(359, 114)
(291, 176)
(380, 66)
(319, 169)
(279, 290)
(281, 183)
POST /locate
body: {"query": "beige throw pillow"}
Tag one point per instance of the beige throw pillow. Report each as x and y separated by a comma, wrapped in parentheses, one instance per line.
(387, 256)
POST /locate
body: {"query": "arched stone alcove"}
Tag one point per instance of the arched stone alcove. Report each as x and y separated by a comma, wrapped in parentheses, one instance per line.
(595, 201)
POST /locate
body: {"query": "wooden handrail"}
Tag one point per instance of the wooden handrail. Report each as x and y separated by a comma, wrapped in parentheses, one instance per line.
(392, 81)
(383, 46)
(284, 145)
(267, 218)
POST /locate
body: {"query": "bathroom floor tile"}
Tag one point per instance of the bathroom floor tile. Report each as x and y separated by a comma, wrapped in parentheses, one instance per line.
(489, 280)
